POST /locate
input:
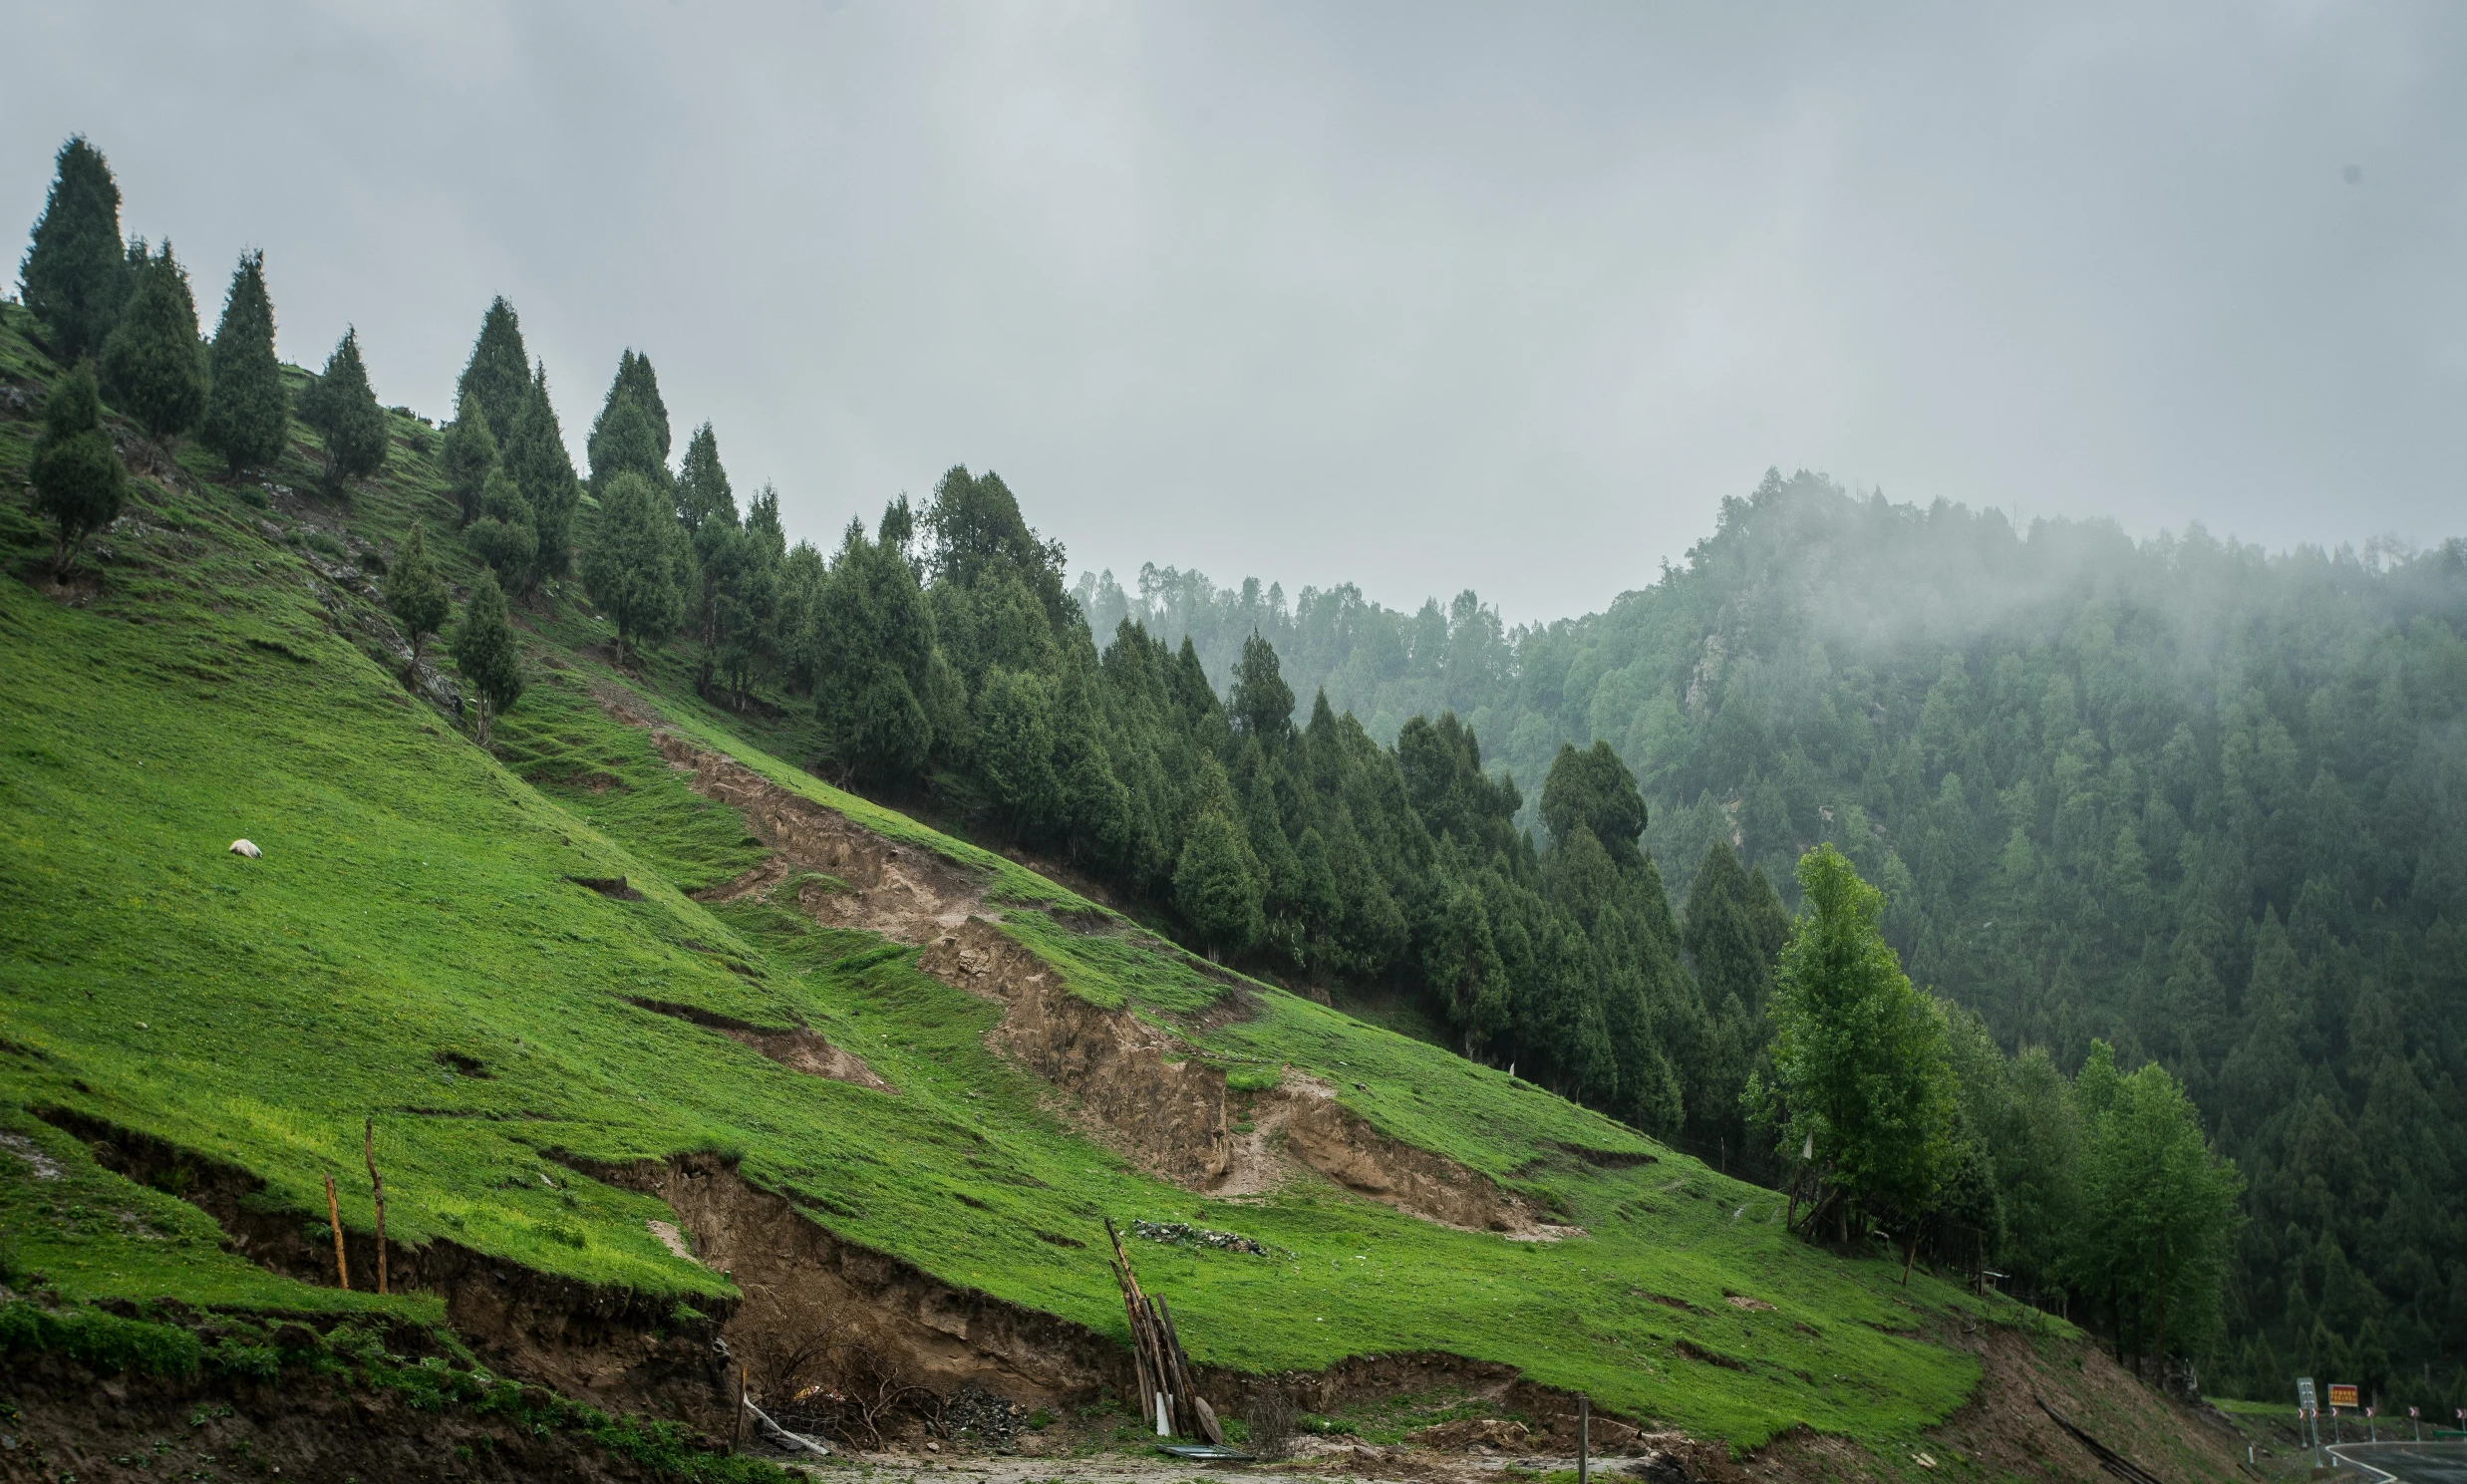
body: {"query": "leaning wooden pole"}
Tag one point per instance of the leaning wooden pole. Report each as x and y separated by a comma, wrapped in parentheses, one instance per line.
(376, 1186)
(333, 1223)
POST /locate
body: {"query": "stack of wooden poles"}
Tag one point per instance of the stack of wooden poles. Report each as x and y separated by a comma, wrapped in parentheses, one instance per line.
(1166, 1394)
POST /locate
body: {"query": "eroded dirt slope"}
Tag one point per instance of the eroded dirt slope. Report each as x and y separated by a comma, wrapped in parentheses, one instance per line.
(1132, 1083)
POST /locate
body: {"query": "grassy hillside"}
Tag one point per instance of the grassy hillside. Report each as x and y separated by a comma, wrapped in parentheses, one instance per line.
(415, 947)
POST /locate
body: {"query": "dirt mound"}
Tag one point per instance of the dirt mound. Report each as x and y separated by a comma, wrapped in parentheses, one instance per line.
(795, 1047)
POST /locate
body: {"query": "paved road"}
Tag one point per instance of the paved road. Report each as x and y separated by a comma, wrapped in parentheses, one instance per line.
(2423, 1463)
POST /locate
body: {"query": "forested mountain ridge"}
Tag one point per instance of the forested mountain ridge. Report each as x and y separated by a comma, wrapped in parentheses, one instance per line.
(2203, 801)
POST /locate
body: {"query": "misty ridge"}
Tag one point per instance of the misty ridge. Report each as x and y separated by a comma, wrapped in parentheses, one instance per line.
(2182, 797)
(1799, 579)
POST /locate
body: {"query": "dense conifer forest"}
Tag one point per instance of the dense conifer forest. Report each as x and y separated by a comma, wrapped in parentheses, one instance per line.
(2126, 881)
(2200, 802)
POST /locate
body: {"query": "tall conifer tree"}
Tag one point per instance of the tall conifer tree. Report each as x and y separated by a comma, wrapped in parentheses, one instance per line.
(631, 434)
(543, 471)
(471, 453)
(630, 562)
(342, 408)
(75, 272)
(247, 415)
(498, 373)
(153, 363)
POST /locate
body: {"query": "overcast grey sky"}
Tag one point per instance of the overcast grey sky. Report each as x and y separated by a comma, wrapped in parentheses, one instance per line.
(1423, 297)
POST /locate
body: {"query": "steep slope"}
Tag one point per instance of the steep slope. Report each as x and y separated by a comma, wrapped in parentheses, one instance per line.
(667, 1043)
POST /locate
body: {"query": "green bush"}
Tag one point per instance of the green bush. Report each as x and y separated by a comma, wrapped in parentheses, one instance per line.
(258, 1362)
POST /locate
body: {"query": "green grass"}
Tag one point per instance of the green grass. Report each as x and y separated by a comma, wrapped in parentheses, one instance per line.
(414, 916)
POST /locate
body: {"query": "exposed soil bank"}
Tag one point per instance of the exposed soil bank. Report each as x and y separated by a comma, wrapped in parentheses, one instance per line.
(809, 1293)
(578, 1338)
(798, 1049)
(70, 1422)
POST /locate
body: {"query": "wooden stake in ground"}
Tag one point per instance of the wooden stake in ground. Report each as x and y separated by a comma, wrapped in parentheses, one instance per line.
(377, 1185)
(334, 1220)
(1583, 1436)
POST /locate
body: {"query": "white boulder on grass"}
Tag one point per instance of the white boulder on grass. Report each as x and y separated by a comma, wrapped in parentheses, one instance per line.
(247, 848)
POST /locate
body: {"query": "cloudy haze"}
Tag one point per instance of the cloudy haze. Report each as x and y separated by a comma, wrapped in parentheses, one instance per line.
(1504, 298)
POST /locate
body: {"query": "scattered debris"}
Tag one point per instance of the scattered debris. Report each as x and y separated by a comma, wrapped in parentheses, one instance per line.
(1661, 1468)
(1467, 1434)
(1182, 1234)
(984, 1417)
(247, 848)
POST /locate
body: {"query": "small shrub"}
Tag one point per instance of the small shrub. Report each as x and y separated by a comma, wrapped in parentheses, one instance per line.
(258, 1362)
(323, 544)
(372, 563)
(1254, 1079)
(251, 494)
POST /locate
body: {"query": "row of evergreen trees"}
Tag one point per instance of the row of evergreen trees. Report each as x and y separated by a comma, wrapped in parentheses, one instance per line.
(131, 311)
(128, 309)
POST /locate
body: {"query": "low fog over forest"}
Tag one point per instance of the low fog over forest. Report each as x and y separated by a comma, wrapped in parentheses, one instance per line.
(2203, 801)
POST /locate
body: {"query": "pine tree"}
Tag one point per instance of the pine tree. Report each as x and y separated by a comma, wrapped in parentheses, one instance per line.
(498, 373)
(77, 476)
(1594, 789)
(702, 484)
(154, 366)
(471, 455)
(1261, 704)
(1013, 748)
(535, 455)
(631, 432)
(247, 415)
(75, 272)
(1215, 886)
(874, 657)
(484, 652)
(342, 409)
(415, 594)
(630, 564)
(506, 536)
